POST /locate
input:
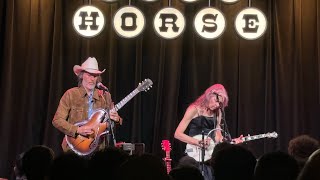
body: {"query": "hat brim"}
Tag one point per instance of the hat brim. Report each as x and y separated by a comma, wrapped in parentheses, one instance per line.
(77, 69)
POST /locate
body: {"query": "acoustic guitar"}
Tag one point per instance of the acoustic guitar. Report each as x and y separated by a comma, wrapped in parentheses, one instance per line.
(85, 145)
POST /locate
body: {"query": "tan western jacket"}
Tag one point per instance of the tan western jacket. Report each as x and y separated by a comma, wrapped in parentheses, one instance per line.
(73, 108)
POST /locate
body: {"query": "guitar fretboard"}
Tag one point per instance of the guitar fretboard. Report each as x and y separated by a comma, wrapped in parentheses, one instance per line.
(250, 138)
(125, 100)
(168, 161)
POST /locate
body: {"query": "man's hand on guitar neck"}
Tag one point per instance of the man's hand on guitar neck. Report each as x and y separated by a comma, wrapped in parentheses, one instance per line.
(115, 117)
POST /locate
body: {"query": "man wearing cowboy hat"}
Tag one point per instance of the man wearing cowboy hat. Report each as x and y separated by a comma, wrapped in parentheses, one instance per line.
(78, 103)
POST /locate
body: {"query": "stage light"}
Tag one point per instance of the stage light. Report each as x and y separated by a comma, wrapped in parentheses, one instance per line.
(230, 1)
(150, 0)
(189, 1)
(109, 1)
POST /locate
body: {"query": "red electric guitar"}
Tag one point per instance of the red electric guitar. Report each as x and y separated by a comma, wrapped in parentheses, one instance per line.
(166, 146)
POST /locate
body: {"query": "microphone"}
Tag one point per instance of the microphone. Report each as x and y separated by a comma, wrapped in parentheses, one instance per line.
(102, 87)
(220, 105)
(217, 97)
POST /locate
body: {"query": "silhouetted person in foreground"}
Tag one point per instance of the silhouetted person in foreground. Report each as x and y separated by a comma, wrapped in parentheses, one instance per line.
(186, 173)
(276, 166)
(233, 163)
(107, 162)
(311, 170)
(36, 162)
(144, 167)
(69, 166)
(301, 147)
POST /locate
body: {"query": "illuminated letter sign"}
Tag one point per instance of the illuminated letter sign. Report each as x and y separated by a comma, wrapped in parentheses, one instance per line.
(209, 23)
(169, 23)
(251, 23)
(88, 21)
(128, 22)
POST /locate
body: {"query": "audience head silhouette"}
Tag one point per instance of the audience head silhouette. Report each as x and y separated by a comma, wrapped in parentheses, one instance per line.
(233, 162)
(301, 147)
(311, 169)
(276, 166)
(186, 173)
(144, 167)
(107, 161)
(69, 166)
(36, 162)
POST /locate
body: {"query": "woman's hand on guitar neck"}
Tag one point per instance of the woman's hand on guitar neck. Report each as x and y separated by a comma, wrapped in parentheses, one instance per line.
(238, 140)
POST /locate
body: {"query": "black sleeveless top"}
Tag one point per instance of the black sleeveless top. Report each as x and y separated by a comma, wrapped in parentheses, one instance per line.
(204, 123)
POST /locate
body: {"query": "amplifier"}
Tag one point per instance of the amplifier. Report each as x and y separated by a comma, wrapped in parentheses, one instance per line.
(133, 148)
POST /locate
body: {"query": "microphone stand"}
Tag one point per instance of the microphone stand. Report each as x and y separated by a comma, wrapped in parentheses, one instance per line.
(111, 125)
(109, 129)
(202, 153)
(202, 146)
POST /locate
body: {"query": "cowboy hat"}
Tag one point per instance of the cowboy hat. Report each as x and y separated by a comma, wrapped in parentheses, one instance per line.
(90, 66)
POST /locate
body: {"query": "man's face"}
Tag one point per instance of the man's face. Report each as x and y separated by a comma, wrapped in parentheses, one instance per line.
(89, 80)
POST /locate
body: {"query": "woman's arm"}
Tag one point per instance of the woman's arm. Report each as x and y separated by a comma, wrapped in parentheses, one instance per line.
(218, 133)
(190, 113)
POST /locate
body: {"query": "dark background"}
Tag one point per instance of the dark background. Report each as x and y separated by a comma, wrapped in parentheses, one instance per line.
(273, 82)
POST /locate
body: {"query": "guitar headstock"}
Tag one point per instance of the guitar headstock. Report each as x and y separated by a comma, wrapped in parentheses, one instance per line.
(166, 146)
(272, 135)
(145, 85)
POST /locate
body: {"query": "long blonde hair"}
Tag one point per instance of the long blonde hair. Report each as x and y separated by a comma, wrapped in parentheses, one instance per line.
(216, 89)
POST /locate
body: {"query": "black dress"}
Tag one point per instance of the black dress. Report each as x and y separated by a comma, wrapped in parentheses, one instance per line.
(202, 123)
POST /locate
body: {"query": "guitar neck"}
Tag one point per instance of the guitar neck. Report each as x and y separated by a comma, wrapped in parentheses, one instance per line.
(125, 100)
(255, 137)
(168, 161)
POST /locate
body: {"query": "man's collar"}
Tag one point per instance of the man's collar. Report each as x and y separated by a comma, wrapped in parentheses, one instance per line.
(83, 92)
